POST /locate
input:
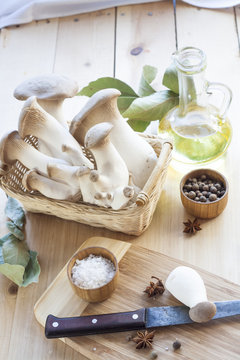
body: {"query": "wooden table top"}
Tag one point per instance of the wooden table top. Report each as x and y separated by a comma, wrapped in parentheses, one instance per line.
(98, 44)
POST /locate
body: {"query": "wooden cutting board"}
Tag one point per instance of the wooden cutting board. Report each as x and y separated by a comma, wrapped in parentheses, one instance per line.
(218, 339)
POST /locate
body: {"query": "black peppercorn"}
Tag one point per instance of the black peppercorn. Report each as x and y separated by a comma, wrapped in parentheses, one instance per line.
(213, 197)
(213, 190)
(176, 345)
(153, 355)
(195, 187)
(201, 188)
(192, 195)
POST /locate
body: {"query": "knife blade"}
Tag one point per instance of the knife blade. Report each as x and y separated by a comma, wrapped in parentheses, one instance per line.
(145, 318)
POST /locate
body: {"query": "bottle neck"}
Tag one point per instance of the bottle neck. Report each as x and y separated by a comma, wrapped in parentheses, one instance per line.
(192, 91)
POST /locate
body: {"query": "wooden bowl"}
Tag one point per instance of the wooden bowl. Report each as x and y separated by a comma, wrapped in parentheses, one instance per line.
(100, 293)
(204, 210)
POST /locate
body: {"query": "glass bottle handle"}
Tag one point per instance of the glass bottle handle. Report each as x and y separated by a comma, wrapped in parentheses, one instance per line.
(227, 96)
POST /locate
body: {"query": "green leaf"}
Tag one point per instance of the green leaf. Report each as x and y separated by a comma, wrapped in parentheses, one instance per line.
(32, 270)
(1, 256)
(170, 79)
(6, 237)
(13, 272)
(15, 230)
(148, 75)
(15, 212)
(152, 107)
(124, 102)
(15, 252)
(138, 125)
(105, 83)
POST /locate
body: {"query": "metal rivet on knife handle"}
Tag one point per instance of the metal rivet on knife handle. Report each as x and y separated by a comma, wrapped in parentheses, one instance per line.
(135, 316)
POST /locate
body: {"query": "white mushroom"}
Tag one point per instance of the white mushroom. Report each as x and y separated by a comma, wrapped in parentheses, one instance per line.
(13, 148)
(121, 197)
(138, 155)
(77, 176)
(67, 174)
(50, 90)
(186, 285)
(49, 188)
(34, 120)
(111, 169)
(75, 156)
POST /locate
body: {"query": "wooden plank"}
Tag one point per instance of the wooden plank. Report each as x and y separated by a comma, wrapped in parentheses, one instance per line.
(145, 36)
(24, 51)
(85, 51)
(203, 341)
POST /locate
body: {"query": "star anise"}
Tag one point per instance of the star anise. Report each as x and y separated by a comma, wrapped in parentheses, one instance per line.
(155, 288)
(144, 339)
(192, 227)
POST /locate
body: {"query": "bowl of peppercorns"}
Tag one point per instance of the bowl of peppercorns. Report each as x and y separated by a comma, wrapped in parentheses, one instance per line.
(204, 193)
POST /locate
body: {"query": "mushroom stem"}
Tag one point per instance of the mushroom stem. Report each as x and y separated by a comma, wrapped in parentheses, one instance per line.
(34, 120)
(13, 148)
(49, 188)
(54, 108)
(138, 155)
(74, 155)
(186, 285)
(112, 170)
(67, 174)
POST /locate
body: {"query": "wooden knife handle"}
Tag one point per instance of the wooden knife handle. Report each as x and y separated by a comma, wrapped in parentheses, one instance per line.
(94, 324)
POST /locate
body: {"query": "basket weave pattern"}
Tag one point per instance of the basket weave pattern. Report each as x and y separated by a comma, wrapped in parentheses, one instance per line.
(132, 220)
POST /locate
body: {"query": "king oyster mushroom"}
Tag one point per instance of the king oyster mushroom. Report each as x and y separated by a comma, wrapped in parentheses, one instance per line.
(13, 147)
(67, 174)
(77, 176)
(111, 177)
(49, 187)
(186, 285)
(138, 155)
(112, 171)
(50, 90)
(34, 120)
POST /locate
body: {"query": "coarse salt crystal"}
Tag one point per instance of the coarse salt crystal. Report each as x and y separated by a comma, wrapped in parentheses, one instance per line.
(92, 272)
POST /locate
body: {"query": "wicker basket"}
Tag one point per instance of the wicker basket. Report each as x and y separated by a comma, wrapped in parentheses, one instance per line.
(132, 220)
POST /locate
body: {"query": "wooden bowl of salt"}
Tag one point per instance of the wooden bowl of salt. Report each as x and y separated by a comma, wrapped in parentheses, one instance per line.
(93, 273)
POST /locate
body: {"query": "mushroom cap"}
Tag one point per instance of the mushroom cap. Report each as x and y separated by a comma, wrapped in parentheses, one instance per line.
(96, 100)
(8, 137)
(97, 135)
(48, 87)
(202, 312)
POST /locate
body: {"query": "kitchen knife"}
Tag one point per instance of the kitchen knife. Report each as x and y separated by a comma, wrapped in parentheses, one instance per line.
(144, 318)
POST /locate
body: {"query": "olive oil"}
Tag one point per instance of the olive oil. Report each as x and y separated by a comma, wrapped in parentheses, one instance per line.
(198, 126)
(202, 137)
